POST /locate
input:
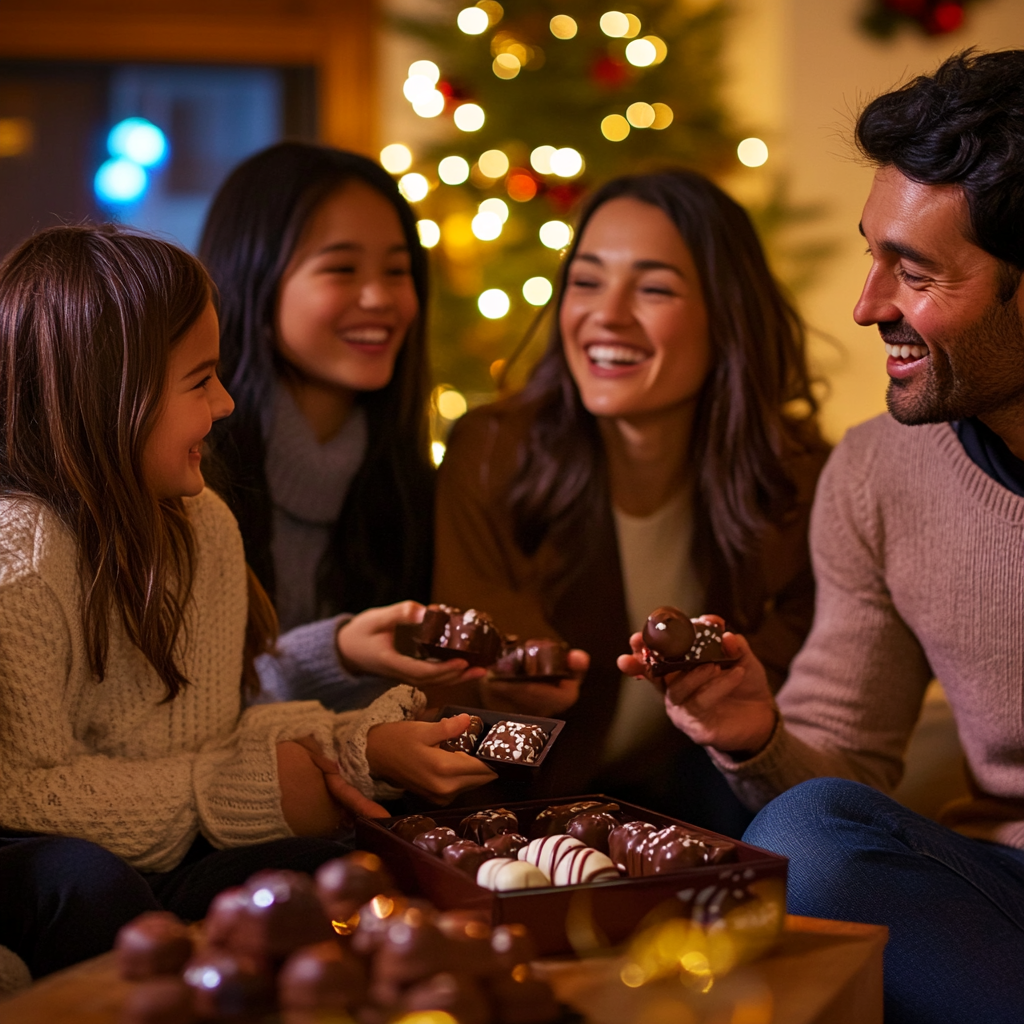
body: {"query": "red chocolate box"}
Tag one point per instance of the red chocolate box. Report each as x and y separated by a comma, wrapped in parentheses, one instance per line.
(611, 909)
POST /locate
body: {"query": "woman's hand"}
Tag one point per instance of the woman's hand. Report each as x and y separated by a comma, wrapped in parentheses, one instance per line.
(366, 644)
(315, 799)
(407, 755)
(545, 700)
(728, 708)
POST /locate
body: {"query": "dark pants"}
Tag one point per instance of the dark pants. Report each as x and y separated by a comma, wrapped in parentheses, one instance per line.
(63, 900)
(954, 906)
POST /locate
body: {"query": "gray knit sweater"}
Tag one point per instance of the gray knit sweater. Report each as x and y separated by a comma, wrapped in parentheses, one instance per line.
(919, 561)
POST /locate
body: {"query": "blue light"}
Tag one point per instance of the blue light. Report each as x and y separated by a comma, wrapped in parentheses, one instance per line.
(120, 181)
(138, 140)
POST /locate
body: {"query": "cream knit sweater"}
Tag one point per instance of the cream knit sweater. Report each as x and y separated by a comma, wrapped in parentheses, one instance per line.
(919, 561)
(107, 761)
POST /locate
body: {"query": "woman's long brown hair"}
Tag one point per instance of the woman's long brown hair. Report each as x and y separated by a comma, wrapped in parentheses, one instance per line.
(88, 318)
(742, 435)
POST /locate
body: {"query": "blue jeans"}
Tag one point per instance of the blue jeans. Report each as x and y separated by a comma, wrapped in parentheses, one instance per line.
(954, 906)
(63, 900)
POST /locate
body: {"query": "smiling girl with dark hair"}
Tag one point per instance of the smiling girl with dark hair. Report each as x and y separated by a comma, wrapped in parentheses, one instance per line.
(664, 451)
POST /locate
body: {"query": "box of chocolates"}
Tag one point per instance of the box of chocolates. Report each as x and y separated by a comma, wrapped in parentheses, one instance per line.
(580, 874)
(507, 742)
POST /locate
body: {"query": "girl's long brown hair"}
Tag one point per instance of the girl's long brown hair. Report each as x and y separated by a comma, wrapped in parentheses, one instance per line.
(88, 318)
(742, 436)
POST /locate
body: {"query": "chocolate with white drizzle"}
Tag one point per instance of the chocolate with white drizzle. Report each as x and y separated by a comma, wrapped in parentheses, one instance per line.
(673, 642)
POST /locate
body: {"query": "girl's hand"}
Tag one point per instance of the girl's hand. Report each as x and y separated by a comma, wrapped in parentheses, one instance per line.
(366, 644)
(543, 699)
(315, 799)
(728, 708)
(407, 755)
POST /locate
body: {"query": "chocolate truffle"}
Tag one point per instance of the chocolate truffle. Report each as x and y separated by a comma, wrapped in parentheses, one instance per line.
(720, 851)
(541, 659)
(583, 864)
(623, 846)
(228, 985)
(435, 840)
(592, 828)
(281, 912)
(321, 977)
(518, 742)
(160, 1001)
(502, 874)
(519, 998)
(470, 935)
(413, 948)
(674, 642)
(153, 944)
(447, 633)
(483, 825)
(456, 994)
(377, 916)
(346, 883)
(225, 912)
(506, 845)
(466, 855)
(512, 945)
(466, 741)
(409, 827)
(553, 820)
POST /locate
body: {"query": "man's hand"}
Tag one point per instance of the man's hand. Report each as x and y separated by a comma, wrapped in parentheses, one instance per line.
(366, 644)
(407, 755)
(545, 700)
(729, 708)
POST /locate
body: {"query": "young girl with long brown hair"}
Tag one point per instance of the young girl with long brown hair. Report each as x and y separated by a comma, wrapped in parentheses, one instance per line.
(664, 451)
(131, 773)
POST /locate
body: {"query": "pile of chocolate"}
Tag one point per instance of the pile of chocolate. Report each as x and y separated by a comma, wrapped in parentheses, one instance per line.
(516, 742)
(673, 642)
(447, 632)
(345, 947)
(569, 844)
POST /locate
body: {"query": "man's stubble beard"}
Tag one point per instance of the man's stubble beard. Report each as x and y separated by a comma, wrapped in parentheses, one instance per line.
(988, 372)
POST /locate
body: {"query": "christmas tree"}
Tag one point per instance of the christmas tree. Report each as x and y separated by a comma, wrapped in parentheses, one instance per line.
(543, 100)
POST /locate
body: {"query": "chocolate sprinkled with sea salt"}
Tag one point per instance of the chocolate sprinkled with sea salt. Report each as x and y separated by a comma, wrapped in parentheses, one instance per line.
(518, 742)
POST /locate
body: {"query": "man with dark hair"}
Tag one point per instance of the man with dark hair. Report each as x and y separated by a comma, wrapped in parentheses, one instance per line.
(918, 545)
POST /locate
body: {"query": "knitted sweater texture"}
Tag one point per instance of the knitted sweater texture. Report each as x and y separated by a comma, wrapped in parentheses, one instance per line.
(919, 560)
(110, 761)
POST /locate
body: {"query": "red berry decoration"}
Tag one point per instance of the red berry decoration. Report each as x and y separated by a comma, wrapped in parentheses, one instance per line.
(883, 18)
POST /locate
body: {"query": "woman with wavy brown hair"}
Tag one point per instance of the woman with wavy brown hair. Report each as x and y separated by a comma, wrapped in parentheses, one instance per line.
(664, 451)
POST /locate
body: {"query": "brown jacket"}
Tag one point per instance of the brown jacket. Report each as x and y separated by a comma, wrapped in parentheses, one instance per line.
(478, 564)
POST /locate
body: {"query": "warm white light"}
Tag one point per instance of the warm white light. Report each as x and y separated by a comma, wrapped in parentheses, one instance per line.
(427, 69)
(752, 152)
(493, 163)
(496, 206)
(540, 159)
(487, 226)
(469, 117)
(413, 186)
(506, 66)
(451, 404)
(566, 162)
(660, 48)
(614, 24)
(429, 232)
(430, 105)
(417, 87)
(453, 170)
(663, 115)
(555, 234)
(396, 158)
(437, 452)
(537, 291)
(634, 27)
(493, 303)
(614, 127)
(563, 27)
(473, 21)
(641, 53)
(640, 115)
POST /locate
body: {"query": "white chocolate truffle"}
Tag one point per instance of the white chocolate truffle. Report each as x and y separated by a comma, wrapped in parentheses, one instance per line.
(503, 874)
(584, 865)
(547, 852)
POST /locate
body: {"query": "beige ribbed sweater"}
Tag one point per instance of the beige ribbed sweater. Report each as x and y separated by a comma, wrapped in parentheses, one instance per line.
(108, 761)
(919, 561)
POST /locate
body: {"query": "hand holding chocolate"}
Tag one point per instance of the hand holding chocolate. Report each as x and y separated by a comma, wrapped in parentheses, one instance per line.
(673, 642)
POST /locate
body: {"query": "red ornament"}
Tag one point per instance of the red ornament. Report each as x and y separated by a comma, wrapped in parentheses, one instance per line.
(521, 185)
(562, 197)
(947, 17)
(608, 72)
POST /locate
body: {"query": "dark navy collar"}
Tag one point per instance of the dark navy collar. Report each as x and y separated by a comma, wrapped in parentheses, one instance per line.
(988, 451)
